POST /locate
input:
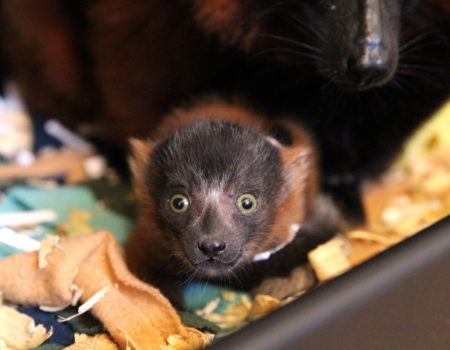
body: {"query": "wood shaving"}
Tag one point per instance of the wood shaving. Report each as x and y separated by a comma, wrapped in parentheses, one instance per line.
(194, 340)
(262, 305)
(27, 218)
(209, 308)
(413, 194)
(374, 237)
(47, 246)
(329, 260)
(77, 294)
(228, 295)
(246, 300)
(234, 316)
(87, 305)
(50, 308)
(363, 250)
(96, 342)
(3, 345)
(19, 331)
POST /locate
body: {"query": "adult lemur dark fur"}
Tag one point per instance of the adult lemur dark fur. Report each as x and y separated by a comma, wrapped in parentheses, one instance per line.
(362, 74)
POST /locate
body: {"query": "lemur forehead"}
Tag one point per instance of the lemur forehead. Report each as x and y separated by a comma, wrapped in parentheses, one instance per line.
(213, 194)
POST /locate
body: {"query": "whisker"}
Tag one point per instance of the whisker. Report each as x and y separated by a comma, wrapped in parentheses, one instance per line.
(332, 78)
(295, 53)
(312, 32)
(394, 82)
(412, 42)
(300, 44)
(256, 16)
(422, 68)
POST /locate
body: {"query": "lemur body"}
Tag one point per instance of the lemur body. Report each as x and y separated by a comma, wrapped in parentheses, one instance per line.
(222, 199)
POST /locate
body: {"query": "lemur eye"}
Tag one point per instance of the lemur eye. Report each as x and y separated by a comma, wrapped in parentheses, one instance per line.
(246, 203)
(179, 203)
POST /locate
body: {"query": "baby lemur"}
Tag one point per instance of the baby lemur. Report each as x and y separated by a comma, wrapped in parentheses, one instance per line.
(224, 195)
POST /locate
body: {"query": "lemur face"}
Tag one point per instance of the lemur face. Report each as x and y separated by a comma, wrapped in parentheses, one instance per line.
(214, 187)
(355, 43)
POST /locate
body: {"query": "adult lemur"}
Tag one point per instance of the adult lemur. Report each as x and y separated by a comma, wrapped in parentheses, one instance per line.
(362, 74)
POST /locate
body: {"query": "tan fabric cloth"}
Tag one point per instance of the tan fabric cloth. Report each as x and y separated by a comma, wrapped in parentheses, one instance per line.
(132, 311)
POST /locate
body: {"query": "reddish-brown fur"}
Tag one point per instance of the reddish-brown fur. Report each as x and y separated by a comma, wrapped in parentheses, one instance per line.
(148, 250)
(40, 42)
(112, 61)
(123, 64)
(108, 62)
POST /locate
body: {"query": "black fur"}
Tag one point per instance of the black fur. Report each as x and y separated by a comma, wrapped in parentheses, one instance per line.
(222, 157)
(324, 223)
(361, 74)
(360, 117)
(355, 43)
(359, 132)
(229, 160)
(208, 153)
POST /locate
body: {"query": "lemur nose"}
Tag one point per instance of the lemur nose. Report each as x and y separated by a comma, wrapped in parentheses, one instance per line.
(368, 71)
(211, 248)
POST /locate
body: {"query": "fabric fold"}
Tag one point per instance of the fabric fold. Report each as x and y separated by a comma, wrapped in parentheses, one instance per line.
(134, 313)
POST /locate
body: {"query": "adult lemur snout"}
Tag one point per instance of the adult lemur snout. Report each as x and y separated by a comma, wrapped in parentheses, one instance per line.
(373, 66)
(372, 55)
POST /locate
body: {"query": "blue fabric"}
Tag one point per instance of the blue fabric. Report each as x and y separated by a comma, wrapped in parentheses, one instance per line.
(41, 138)
(197, 295)
(6, 250)
(62, 333)
(62, 200)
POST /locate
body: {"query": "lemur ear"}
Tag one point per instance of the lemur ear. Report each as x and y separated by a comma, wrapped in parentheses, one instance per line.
(300, 173)
(140, 157)
(298, 156)
(297, 164)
